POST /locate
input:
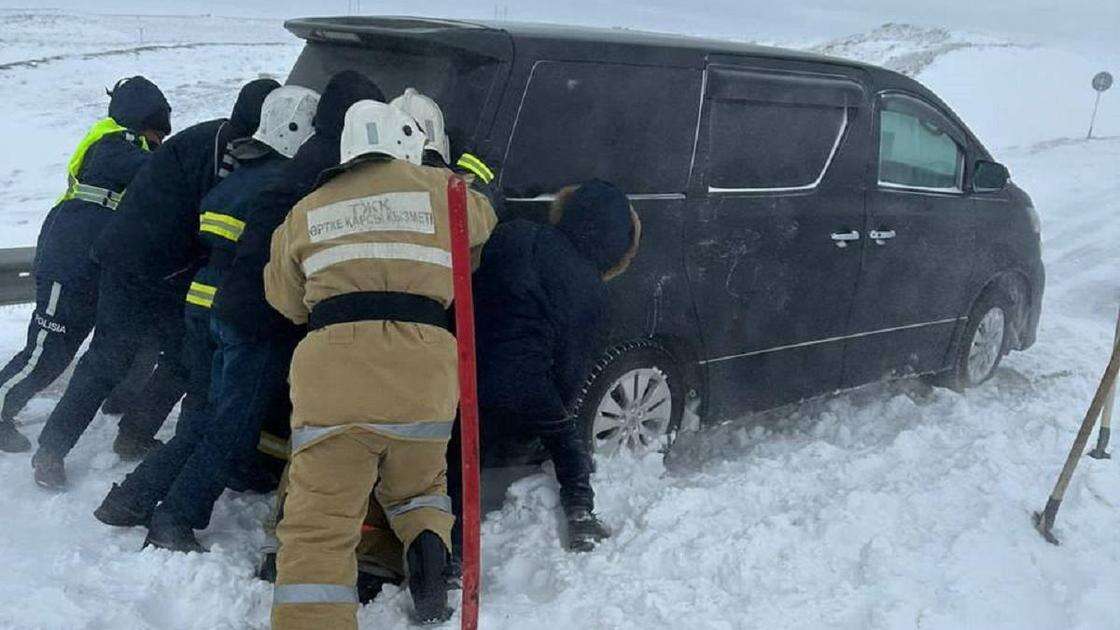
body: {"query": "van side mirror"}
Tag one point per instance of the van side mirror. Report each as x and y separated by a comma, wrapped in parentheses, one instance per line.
(989, 176)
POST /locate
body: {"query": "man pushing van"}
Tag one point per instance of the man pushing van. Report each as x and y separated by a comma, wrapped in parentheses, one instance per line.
(365, 261)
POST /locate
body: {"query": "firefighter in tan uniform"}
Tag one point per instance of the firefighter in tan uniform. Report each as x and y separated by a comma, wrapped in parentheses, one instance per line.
(365, 261)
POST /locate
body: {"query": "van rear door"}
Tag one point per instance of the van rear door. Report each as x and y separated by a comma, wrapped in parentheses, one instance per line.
(461, 66)
(774, 238)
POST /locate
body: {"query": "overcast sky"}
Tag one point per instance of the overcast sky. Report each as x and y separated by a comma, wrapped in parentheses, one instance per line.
(1083, 23)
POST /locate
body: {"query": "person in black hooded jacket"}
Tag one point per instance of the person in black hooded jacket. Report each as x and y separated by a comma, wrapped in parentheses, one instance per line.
(103, 164)
(147, 255)
(541, 316)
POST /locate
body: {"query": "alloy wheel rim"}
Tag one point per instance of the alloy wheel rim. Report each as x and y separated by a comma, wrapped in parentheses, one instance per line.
(987, 342)
(634, 414)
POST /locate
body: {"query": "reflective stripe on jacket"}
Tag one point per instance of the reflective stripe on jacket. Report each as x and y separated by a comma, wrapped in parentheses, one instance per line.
(380, 226)
(75, 189)
(221, 221)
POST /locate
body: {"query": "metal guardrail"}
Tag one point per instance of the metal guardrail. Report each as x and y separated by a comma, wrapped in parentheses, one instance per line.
(17, 286)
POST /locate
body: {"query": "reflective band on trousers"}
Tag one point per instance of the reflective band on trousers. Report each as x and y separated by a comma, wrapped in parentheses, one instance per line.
(376, 251)
(473, 164)
(269, 444)
(314, 594)
(201, 294)
(94, 194)
(432, 431)
(440, 502)
(223, 225)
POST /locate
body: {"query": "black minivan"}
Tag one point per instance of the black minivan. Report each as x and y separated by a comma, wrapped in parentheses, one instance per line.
(809, 224)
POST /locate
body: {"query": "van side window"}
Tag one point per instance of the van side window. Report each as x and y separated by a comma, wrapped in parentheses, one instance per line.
(771, 146)
(916, 148)
(772, 131)
(633, 126)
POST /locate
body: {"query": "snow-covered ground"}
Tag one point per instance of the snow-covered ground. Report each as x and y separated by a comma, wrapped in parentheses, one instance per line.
(53, 85)
(894, 507)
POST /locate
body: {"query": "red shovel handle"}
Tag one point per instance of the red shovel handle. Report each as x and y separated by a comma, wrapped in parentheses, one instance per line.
(468, 396)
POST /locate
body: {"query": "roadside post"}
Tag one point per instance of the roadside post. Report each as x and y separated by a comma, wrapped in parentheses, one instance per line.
(1101, 82)
(1044, 520)
(468, 397)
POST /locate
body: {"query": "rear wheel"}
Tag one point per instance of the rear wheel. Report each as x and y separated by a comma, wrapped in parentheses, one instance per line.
(632, 400)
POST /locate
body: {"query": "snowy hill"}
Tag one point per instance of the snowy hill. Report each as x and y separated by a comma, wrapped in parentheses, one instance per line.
(894, 507)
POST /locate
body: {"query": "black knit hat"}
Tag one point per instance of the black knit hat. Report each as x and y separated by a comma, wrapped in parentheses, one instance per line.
(138, 104)
(246, 116)
(343, 90)
(596, 217)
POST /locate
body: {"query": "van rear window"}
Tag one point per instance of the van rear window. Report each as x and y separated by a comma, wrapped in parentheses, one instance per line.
(460, 83)
(631, 125)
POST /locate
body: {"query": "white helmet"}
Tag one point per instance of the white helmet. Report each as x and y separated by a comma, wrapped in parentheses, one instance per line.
(427, 113)
(372, 127)
(286, 116)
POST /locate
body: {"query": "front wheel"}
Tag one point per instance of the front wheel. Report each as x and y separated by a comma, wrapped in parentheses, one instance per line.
(632, 400)
(984, 342)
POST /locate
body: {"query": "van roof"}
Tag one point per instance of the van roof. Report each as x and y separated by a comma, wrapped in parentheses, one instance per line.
(480, 36)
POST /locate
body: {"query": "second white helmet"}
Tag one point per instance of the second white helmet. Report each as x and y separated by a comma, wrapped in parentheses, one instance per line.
(427, 113)
(372, 127)
(286, 116)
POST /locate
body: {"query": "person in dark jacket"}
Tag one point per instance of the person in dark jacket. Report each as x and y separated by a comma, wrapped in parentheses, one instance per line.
(541, 317)
(187, 475)
(148, 254)
(100, 169)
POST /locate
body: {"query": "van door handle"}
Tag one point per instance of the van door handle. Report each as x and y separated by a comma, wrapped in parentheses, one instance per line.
(881, 236)
(842, 238)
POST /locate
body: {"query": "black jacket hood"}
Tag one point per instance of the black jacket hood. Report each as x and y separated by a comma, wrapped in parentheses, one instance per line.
(246, 116)
(596, 217)
(343, 90)
(138, 104)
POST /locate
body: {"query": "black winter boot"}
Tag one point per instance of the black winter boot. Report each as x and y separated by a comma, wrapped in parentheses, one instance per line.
(133, 448)
(120, 509)
(11, 440)
(167, 533)
(370, 584)
(585, 530)
(50, 472)
(427, 560)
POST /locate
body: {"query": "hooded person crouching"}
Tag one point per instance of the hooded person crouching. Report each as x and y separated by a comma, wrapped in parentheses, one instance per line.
(365, 261)
(541, 315)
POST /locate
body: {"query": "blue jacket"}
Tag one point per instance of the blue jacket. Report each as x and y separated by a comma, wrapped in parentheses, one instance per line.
(223, 215)
(72, 226)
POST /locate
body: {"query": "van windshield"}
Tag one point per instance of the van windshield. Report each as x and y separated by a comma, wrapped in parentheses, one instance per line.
(460, 83)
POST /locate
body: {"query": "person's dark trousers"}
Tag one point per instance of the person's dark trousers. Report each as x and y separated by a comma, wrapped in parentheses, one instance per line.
(189, 473)
(150, 481)
(127, 315)
(561, 439)
(61, 321)
(165, 386)
(129, 391)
